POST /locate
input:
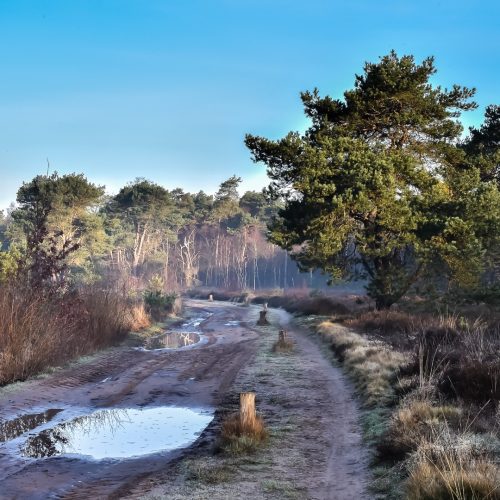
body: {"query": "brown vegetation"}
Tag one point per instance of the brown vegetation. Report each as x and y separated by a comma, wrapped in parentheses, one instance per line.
(137, 317)
(284, 344)
(452, 468)
(238, 439)
(243, 432)
(38, 331)
(431, 384)
(372, 364)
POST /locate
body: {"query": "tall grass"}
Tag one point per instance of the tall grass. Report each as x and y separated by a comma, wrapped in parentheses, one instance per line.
(432, 442)
(454, 466)
(372, 364)
(38, 331)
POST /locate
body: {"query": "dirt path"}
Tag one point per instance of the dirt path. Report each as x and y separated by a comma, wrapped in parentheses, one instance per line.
(315, 448)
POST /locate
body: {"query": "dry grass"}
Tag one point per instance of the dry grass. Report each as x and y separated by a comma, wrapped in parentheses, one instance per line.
(455, 482)
(37, 332)
(137, 317)
(413, 423)
(237, 438)
(457, 355)
(372, 364)
(454, 467)
(283, 346)
(452, 372)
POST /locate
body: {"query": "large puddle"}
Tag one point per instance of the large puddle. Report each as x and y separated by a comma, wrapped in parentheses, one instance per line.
(120, 433)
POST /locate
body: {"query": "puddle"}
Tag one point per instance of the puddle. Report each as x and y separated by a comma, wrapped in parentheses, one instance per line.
(232, 323)
(188, 334)
(15, 428)
(172, 340)
(120, 433)
(194, 323)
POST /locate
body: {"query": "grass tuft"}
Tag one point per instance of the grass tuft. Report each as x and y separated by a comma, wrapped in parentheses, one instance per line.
(283, 346)
(208, 473)
(237, 439)
(454, 467)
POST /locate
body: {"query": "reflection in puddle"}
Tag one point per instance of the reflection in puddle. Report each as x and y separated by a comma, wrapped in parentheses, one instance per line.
(188, 334)
(120, 433)
(15, 428)
(172, 340)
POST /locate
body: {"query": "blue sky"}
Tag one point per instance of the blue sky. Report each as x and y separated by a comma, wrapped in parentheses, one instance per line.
(167, 89)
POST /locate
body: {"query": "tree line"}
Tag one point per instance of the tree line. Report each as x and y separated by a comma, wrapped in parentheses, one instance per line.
(66, 230)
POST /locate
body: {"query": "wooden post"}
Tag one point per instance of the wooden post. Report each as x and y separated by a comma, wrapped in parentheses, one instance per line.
(262, 321)
(282, 337)
(210, 298)
(247, 410)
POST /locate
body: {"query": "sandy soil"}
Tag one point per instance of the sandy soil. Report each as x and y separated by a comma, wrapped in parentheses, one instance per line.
(314, 451)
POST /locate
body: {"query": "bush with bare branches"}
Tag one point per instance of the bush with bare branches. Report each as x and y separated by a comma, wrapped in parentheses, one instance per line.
(38, 331)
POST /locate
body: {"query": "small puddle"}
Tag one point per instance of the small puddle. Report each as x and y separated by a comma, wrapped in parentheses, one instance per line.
(172, 340)
(232, 323)
(12, 429)
(120, 433)
(188, 334)
(194, 323)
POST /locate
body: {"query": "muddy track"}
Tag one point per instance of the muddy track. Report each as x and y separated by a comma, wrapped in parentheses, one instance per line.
(198, 377)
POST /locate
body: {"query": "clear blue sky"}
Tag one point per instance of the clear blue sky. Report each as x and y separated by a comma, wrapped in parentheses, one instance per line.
(166, 89)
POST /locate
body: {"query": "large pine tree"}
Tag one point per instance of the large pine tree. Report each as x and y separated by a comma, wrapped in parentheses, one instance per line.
(374, 184)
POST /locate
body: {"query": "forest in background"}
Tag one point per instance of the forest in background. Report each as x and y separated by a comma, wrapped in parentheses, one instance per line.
(147, 232)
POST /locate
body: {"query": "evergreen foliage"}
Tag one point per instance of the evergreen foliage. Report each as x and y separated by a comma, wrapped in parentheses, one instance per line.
(378, 186)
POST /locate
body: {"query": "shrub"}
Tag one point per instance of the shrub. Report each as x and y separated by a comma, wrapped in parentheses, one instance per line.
(472, 381)
(38, 331)
(104, 318)
(34, 333)
(138, 317)
(159, 304)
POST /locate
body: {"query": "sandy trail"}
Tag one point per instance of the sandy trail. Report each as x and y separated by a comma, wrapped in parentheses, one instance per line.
(199, 377)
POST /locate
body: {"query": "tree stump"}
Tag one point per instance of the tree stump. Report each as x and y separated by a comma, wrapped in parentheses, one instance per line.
(282, 337)
(210, 298)
(262, 321)
(284, 344)
(248, 414)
